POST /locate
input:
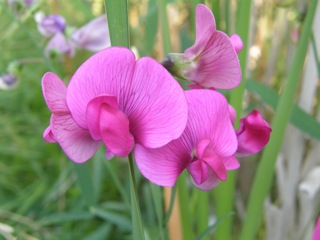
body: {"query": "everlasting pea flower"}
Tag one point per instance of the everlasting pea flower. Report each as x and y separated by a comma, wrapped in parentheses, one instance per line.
(253, 134)
(94, 36)
(206, 148)
(8, 81)
(316, 232)
(212, 62)
(60, 44)
(49, 25)
(114, 99)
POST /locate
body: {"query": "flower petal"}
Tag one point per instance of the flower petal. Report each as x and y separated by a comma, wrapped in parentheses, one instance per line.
(155, 104)
(209, 118)
(210, 183)
(60, 44)
(218, 63)
(162, 166)
(108, 72)
(54, 92)
(114, 130)
(48, 135)
(198, 171)
(93, 36)
(205, 22)
(253, 134)
(93, 113)
(217, 166)
(231, 163)
(74, 140)
(236, 42)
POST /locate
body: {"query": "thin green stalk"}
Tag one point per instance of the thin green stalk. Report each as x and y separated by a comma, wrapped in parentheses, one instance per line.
(137, 226)
(216, 11)
(264, 175)
(185, 214)
(225, 192)
(117, 14)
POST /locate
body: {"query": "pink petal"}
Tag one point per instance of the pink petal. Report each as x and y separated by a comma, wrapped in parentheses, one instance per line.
(236, 42)
(217, 62)
(93, 113)
(108, 72)
(115, 132)
(155, 104)
(233, 114)
(210, 183)
(199, 171)
(253, 134)
(205, 22)
(93, 36)
(75, 141)
(209, 118)
(48, 135)
(201, 147)
(231, 163)
(316, 232)
(217, 166)
(54, 92)
(162, 166)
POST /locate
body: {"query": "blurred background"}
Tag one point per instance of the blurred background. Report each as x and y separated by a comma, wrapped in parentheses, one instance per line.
(43, 195)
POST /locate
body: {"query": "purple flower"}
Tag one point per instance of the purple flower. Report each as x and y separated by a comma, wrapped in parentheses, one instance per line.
(48, 25)
(253, 134)
(8, 81)
(60, 44)
(114, 99)
(93, 36)
(212, 62)
(206, 148)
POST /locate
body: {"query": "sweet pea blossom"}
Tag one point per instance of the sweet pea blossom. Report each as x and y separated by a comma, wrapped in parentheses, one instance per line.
(212, 62)
(48, 25)
(253, 134)
(114, 99)
(93, 36)
(60, 44)
(8, 81)
(206, 148)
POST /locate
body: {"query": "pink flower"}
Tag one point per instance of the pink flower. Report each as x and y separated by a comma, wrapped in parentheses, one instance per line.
(93, 36)
(316, 232)
(114, 99)
(206, 148)
(253, 134)
(212, 62)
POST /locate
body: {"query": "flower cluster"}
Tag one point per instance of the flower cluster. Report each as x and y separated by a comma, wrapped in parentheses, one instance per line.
(93, 36)
(137, 105)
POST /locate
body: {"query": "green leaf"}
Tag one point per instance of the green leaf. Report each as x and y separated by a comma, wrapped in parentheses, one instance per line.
(299, 118)
(66, 217)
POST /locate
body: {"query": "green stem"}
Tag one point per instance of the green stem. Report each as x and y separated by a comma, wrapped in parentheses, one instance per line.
(203, 212)
(137, 226)
(225, 192)
(185, 213)
(264, 174)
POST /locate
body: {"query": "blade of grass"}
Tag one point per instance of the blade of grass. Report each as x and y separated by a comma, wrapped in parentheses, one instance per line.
(117, 14)
(203, 212)
(166, 43)
(265, 171)
(225, 192)
(157, 197)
